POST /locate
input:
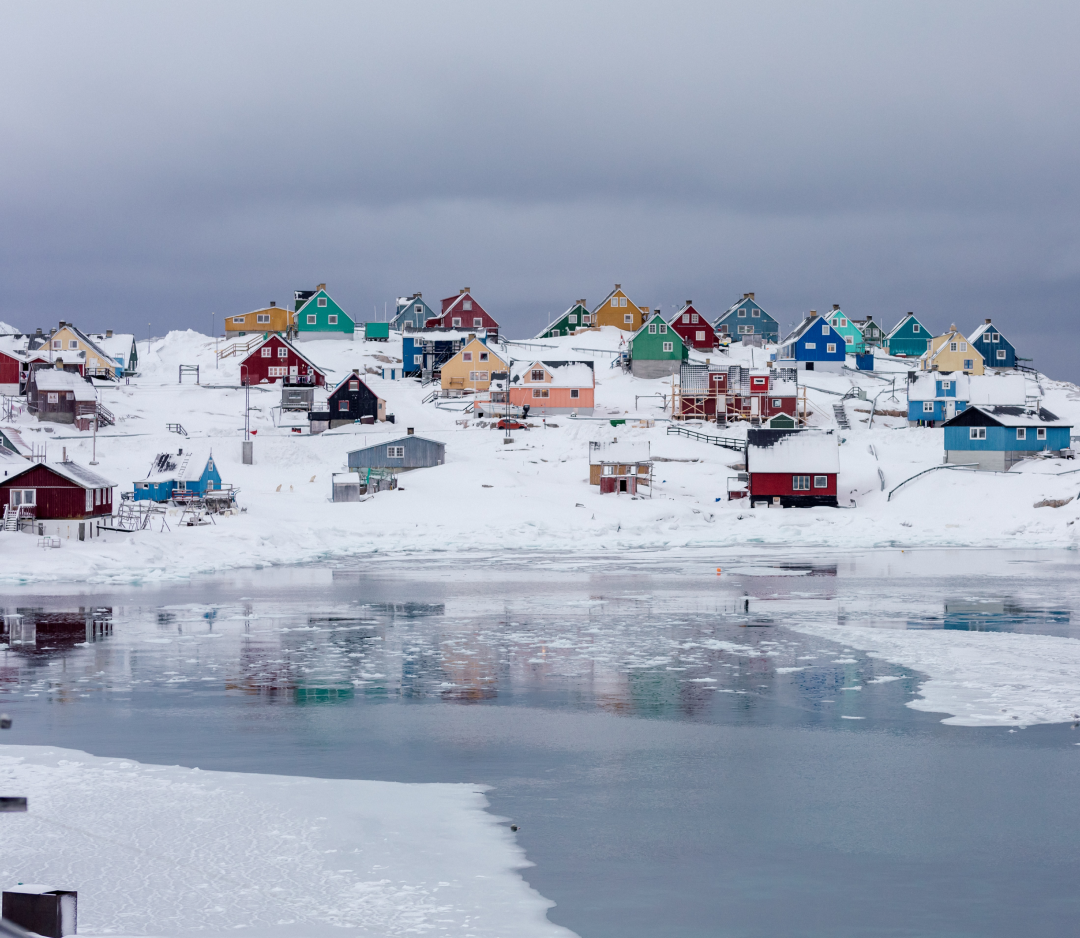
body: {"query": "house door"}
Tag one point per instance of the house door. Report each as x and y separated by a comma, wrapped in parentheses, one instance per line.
(622, 485)
(950, 409)
(607, 485)
(755, 406)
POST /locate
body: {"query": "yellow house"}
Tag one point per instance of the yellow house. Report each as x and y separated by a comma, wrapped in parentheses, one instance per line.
(272, 319)
(71, 340)
(618, 310)
(952, 352)
(471, 368)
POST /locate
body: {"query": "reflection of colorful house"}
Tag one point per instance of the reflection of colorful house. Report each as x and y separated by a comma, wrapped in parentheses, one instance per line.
(471, 368)
(576, 317)
(908, 337)
(319, 317)
(553, 387)
(850, 332)
(272, 318)
(412, 313)
(996, 350)
(952, 352)
(694, 329)
(189, 473)
(747, 320)
(996, 438)
(656, 350)
(618, 310)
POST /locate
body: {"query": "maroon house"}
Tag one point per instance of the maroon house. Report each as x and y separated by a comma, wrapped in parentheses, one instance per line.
(695, 331)
(10, 370)
(735, 394)
(463, 312)
(792, 468)
(278, 360)
(60, 491)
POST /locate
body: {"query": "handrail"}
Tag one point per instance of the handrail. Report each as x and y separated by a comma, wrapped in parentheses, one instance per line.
(925, 471)
(725, 442)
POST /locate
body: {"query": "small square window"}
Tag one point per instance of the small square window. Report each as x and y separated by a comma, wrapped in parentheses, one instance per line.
(995, 337)
(952, 346)
(343, 405)
(622, 300)
(946, 385)
(395, 452)
(977, 433)
(311, 319)
(1040, 433)
(572, 319)
(756, 314)
(456, 322)
(915, 328)
(1021, 433)
(262, 317)
(478, 322)
(466, 305)
(537, 374)
(466, 356)
(483, 356)
(652, 328)
(776, 402)
(628, 317)
(963, 346)
(321, 301)
(821, 482)
(418, 308)
(699, 336)
(266, 351)
(54, 397)
(282, 352)
(354, 385)
(574, 393)
(331, 319)
(825, 330)
(830, 348)
(742, 313)
(1001, 354)
(969, 364)
(669, 346)
(662, 328)
(615, 301)
(928, 407)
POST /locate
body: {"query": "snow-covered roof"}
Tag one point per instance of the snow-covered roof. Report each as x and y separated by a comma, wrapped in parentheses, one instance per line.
(1010, 416)
(801, 328)
(922, 386)
(184, 466)
(987, 326)
(86, 340)
(804, 451)
(905, 318)
(629, 452)
(15, 438)
(71, 471)
(565, 374)
(784, 388)
(396, 441)
(117, 346)
(429, 334)
(1009, 390)
(52, 379)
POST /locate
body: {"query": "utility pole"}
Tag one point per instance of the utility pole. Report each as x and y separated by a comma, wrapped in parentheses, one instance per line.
(93, 460)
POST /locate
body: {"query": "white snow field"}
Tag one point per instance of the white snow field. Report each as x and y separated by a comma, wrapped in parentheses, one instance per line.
(165, 850)
(533, 494)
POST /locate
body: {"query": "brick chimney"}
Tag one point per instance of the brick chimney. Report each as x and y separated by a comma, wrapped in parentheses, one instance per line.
(321, 286)
(618, 286)
(835, 306)
(689, 302)
(582, 303)
(464, 290)
(988, 322)
(108, 333)
(813, 313)
(273, 303)
(409, 431)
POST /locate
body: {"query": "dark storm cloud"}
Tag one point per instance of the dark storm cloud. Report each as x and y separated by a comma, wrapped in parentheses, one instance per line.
(160, 162)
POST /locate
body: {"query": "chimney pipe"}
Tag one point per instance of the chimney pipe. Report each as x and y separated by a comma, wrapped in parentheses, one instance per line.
(813, 313)
(751, 296)
(465, 290)
(689, 302)
(618, 286)
(64, 459)
(988, 322)
(356, 371)
(108, 333)
(409, 431)
(273, 302)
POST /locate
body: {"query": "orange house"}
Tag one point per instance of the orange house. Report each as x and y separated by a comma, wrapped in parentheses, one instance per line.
(617, 309)
(553, 387)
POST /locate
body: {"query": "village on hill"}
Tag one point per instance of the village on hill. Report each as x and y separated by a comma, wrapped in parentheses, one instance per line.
(302, 435)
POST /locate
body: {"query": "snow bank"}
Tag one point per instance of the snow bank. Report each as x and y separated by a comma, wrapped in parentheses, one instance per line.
(981, 678)
(164, 850)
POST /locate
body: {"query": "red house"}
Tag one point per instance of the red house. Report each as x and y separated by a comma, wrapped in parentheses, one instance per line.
(63, 491)
(10, 372)
(695, 331)
(463, 312)
(792, 468)
(278, 360)
(702, 392)
(736, 394)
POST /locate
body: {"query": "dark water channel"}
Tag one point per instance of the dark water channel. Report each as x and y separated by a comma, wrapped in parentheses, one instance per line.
(642, 722)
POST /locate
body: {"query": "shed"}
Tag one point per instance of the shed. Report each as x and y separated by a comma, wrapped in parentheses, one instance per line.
(191, 472)
(401, 454)
(997, 438)
(792, 468)
(620, 467)
(60, 396)
(376, 331)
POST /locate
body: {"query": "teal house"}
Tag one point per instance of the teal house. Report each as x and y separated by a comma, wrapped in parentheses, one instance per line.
(850, 332)
(909, 337)
(656, 350)
(317, 316)
(412, 313)
(181, 474)
(576, 317)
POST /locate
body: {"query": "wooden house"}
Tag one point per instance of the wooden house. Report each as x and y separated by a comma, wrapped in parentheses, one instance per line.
(190, 472)
(737, 393)
(68, 340)
(428, 351)
(909, 338)
(618, 310)
(996, 350)
(621, 468)
(702, 392)
(553, 387)
(693, 328)
(319, 317)
(59, 396)
(61, 491)
(463, 312)
(656, 350)
(470, 369)
(400, 455)
(272, 318)
(351, 401)
(935, 398)
(792, 468)
(952, 352)
(849, 330)
(813, 346)
(277, 359)
(11, 367)
(412, 313)
(122, 348)
(575, 318)
(12, 441)
(995, 438)
(745, 320)
(873, 335)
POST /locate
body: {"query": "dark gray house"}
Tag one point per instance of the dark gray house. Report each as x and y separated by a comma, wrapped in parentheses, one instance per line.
(406, 452)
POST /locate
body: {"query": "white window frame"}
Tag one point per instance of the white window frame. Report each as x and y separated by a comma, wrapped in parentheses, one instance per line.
(977, 433)
(915, 327)
(331, 320)
(53, 397)
(466, 356)
(800, 483)
(628, 317)
(541, 392)
(622, 301)
(826, 330)
(478, 322)
(952, 346)
(669, 346)
(699, 336)
(537, 374)
(23, 497)
(927, 407)
(652, 328)
(282, 352)
(830, 348)
(741, 314)
(662, 328)
(821, 482)
(1021, 433)
(344, 405)
(321, 302)
(395, 452)
(466, 305)
(262, 317)
(311, 319)
(1040, 433)
(810, 345)
(755, 314)
(575, 393)
(456, 322)
(1001, 354)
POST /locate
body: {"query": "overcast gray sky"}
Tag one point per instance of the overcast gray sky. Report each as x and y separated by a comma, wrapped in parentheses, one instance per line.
(163, 161)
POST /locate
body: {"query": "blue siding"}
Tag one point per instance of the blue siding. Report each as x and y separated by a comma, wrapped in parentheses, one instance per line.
(916, 412)
(813, 344)
(990, 349)
(162, 491)
(412, 350)
(1004, 439)
(762, 323)
(910, 338)
(406, 314)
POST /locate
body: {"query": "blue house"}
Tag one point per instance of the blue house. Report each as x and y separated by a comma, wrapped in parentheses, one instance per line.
(426, 351)
(997, 438)
(813, 346)
(997, 351)
(908, 337)
(182, 473)
(411, 313)
(935, 397)
(746, 318)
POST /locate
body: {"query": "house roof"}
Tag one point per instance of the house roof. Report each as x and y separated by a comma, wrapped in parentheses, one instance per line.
(1006, 415)
(939, 343)
(116, 346)
(922, 386)
(468, 345)
(734, 306)
(71, 471)
(654, 316)
(15, 438)
(314, 296)
(277, 338)
(52, 379)
(456, 299)
(395, 442)
(628, 452)
(991, 389)
(617, 289)
(985, 327)
(351, 376)
(564, 374)
(690, 308)
(801, 328)
(184, 466)
(83, 337)
(804, 451)
(907, 316)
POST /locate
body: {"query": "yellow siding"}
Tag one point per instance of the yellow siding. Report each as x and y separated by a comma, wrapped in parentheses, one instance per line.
(608, 315)
(93, 361)
(278, 320)
(941, 357)
(467, 370)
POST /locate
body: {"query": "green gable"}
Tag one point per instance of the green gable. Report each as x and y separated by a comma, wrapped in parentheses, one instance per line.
(657, 341)
(573, 318)
(873, 334)
(909, 337)
(321, 314)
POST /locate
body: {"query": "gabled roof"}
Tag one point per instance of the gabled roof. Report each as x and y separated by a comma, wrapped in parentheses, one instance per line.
(561, 317)
(456, 299)
(397, 441)
(938, 347)
(985, 327)
(907, 316)
(184, 466)
(1005, 415)
(690, 308)
(52, 379)
(800, 330)
(564, 374)
(351, 376)
(734, 306)
(625, 452)
(314, 296)
(117, 344)
(617, 289)
(280, 338)
(922, 385)
(71, 471)
(83, 337)
(15, 439)
(654, 316)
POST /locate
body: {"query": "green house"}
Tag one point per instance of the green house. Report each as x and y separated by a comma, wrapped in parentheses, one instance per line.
(319, 317)
(576, 317)
(656, 350)
(873, 334)
(851, 333)
(908, 337)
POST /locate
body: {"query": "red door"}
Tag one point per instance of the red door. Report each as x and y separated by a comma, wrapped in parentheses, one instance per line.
(607, 485)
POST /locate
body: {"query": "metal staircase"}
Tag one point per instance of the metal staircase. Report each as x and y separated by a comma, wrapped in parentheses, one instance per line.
(841, 416)
(176, 428)
(105, 416)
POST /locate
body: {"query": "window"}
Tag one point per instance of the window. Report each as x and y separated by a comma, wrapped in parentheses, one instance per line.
(963, 346)
(343, 405)
(756, 314)
(952, 346)
(275, 372)
(574, 393)
(541, 392)
(466, 305)
(332, 320)
(311, 319)
(776, 402)
(615, 301)
(57, 344)
(759, 381)
(262, 317)
(266, 351)
(927, 407)
(915, 327)
(321, 301)
(969, 364)
(239, 320)
(418, 308)
(72, 344)
(537, 374)
(742, 313)
(354, 385)
(694, 318)
(1001, 354)
(395, 452)
(622, 300)
(483, 356)
(456, 321)
(843, 322)
(628, 317)
(821, 482)
(669, 346)
(946, 385)
(609, 470)
(995, 337)
(662, 328)
(825, 330)
(744, 329)
(89, 499)
(811, 345)
(418, 359)
(1040, 433)
(699, 336)
(282, 352)
(466, 356)
(1021, 433)
(652, 328)
(830, 348)
(54, 397)
(572, 319)
(23, 496)
(800, 483)
(478, 322)
(723, 329)
(977, 433)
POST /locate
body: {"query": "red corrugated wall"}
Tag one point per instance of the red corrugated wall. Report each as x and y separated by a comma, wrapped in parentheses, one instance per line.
(57, 498)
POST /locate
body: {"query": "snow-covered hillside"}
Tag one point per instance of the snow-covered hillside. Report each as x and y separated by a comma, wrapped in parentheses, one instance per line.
(531, 495)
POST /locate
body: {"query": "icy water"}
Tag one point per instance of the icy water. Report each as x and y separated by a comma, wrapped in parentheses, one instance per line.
(680, 761)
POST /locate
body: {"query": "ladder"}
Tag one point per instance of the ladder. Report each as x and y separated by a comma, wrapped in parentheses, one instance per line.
(841, 416)
(11, 518)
